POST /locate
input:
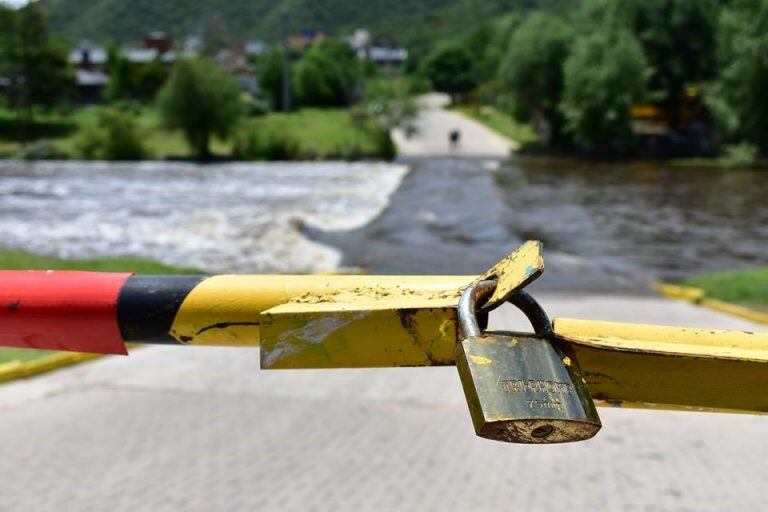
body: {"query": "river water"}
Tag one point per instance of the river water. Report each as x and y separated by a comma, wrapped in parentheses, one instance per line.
(234, 217)
(605, 227)
(669, 222)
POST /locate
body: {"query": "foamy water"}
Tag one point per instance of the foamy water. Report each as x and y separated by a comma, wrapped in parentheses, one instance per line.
(234, 217)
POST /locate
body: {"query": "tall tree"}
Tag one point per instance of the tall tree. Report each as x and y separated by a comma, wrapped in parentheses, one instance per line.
(451, 70)
(677, 38)
(120, 84)
(533, 69)
(329, 74)
(131, 81)
(34, 64)
(738, 98)
(202, 102)
(604, 75)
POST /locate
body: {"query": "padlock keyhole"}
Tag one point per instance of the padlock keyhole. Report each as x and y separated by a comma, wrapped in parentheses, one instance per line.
(542, 431)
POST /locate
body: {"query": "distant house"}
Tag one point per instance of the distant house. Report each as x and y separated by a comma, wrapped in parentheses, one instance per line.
(86, 55)
(360, 41)
(256, 47)
(90, 84)
(306, 38)
(157, 45)
(388, 55)
(380, 54)
(159, 41)
(90, 63)
(193, 45)
(678, 130)
(147, 55)
(235, 62)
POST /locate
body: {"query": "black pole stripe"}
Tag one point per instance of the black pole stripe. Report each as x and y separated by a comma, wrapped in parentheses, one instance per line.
(147, 306)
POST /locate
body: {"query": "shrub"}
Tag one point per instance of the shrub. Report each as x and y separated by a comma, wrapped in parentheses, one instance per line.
(385, 147)
(42, 150)
(114, 136)
(351, 152)
(254, 145)
(255, 106)
(741, 155)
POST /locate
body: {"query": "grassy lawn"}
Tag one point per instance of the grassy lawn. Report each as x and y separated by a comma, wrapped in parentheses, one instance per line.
(749, 287)
(503, 123)
(318, 133)
(15, 260)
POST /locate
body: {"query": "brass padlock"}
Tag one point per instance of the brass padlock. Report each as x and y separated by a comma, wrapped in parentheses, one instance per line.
(521, 388)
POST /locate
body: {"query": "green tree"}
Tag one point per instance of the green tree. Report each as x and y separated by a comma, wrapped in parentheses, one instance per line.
(202, 102)
(119, 85)
(150, 77)
(451, 70)
(130, 81)
(329, 74)
(390, 104)
(677, 37)
(271, 78)
(604, 74)
(35, 65)
(738, 98)
(533, 70)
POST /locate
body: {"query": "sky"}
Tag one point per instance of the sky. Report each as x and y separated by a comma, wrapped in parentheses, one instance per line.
(13, 3)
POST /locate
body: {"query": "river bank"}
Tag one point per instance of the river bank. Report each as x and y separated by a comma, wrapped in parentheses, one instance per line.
(305, 134)
(739, 156)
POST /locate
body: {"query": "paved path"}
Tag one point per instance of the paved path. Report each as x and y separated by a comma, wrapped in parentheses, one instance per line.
(204, 429)
(433, 125)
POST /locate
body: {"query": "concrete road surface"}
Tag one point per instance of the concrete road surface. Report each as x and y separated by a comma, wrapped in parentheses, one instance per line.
(433, 126)
(203, 429)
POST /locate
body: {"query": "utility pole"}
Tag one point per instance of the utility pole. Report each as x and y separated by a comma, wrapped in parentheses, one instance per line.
(286, 81)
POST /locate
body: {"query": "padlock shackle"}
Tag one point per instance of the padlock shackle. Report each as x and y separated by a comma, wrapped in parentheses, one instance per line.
(477, 293)
(533, 311)
(473, 295)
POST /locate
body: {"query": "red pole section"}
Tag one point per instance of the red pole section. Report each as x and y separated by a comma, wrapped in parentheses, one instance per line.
(61, 310)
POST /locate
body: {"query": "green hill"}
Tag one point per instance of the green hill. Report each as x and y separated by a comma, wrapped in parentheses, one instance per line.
(412, 22)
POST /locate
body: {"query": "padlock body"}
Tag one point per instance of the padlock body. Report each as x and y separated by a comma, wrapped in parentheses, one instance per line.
(522, 388)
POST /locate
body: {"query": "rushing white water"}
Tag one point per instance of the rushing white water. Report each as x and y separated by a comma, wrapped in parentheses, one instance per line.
(236, 217)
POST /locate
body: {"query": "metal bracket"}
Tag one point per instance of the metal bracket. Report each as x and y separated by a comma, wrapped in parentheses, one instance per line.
(391, 323)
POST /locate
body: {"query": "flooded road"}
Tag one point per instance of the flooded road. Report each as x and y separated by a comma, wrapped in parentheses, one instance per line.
(645, 217)
(604, 227)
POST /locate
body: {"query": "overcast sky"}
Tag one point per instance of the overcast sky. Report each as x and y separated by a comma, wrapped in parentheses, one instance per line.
(14, 3)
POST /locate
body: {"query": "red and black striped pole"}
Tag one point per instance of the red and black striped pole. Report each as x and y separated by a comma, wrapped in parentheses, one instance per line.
(94, 312)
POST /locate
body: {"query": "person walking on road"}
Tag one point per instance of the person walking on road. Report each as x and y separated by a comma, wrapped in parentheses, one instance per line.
(454, 137)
